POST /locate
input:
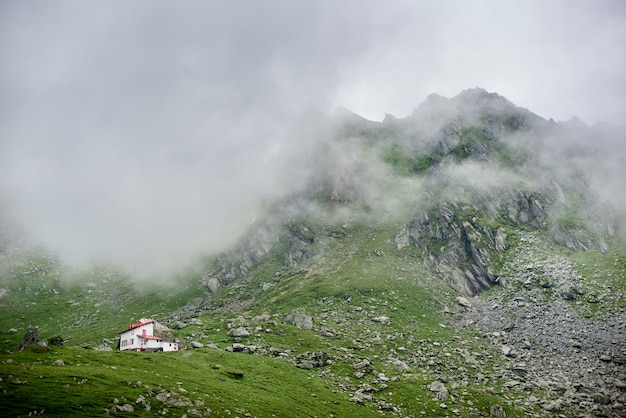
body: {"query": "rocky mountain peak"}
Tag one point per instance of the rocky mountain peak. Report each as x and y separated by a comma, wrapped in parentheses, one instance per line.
(477, 164)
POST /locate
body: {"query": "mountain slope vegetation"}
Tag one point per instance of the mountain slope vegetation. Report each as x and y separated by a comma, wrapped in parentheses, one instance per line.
(461, 261)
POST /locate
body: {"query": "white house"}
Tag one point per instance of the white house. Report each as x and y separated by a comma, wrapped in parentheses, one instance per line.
(147, 335)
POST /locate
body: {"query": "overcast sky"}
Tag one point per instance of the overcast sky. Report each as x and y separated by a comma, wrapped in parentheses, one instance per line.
(152, 128)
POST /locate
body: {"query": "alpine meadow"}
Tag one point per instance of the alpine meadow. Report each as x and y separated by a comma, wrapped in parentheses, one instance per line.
(467, 260)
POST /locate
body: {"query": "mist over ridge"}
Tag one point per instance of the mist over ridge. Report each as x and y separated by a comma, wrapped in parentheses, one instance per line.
(152, 130)
(354, 208)
(162, 213)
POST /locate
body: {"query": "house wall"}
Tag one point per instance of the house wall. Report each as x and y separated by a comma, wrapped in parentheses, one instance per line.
(149, 345)
(169, 346)
(129, 339)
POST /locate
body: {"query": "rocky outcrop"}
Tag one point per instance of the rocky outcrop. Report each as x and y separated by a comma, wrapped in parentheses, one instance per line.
(163, 332)
(301, 321)
(459, 238)
(30, 338)
(262, 238)
(299, 240)
(578, 362)
(249, 252)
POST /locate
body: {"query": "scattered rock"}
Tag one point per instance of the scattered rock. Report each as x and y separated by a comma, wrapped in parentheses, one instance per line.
(553, 406)
(382, 319)
(58, 362)
(497, 411)
(239, 333)
(56, 341)
(213, 284)
(30, 338)
(126, 408)
(301, 321)
(401, 366)
(440, 390)
(311, 360)
(325, 332)
(463, 302)
(104, 347)
(241, 348)
(361, 364)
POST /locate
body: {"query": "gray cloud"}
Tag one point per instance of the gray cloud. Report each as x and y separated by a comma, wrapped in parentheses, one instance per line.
(148, 129)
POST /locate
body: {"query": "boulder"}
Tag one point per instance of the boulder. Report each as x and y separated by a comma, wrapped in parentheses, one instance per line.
(239, 333)
(179, 325)
(497, 411)
(104, 347)
(213, 284)
(440, 390)
(310, 360)
(30, 338)
(301, 321)
(56, 341)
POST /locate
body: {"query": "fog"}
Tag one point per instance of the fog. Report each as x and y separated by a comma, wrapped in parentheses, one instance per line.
(149, 131)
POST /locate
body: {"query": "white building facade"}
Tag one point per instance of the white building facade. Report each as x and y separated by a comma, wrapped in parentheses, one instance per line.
(140, 337)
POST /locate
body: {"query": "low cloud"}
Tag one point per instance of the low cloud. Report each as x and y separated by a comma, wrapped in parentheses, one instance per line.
(149, 131)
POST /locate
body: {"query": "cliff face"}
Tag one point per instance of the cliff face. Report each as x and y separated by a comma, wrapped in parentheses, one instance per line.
(479, 167)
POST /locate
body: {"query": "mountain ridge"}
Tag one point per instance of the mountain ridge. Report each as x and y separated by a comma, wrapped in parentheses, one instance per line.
(458, 261)
(460, 155)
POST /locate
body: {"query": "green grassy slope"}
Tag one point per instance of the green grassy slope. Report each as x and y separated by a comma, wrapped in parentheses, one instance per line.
(384, 324)
(375, 298)
(83, 307)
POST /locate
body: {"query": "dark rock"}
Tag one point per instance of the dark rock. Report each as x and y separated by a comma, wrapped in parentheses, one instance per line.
(601, 398)
(310, 360)
(299, 239)
(56, 341)
(30, 338)
(497, 411)
(104, 347)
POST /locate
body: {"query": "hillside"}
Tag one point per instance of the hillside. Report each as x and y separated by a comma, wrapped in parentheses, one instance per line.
(467, 260)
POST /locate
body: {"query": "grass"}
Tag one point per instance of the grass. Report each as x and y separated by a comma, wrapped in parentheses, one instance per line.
(380, 302)
(203, 380)
(83, 307)
(604, 284)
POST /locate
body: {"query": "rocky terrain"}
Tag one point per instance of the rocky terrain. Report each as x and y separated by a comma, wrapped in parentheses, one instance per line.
(579, 362)
(457, 262)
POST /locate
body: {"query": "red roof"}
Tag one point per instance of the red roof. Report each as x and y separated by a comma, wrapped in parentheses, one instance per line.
(149, 337)
(142, 321)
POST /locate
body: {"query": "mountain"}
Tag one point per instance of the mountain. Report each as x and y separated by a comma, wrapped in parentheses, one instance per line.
(466, 260)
